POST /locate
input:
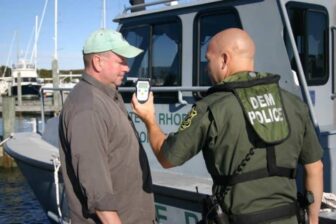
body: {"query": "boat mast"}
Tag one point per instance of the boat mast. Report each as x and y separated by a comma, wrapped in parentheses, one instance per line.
(9, 54)
(37, 34)
(104, 15)
(55, 27)
(29, 43)
(54, 63)
(35, 42)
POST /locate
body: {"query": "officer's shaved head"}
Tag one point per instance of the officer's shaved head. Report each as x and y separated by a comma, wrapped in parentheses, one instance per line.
(230, 51)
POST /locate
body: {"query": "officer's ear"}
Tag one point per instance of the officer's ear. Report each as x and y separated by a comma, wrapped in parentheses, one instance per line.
(224, 59)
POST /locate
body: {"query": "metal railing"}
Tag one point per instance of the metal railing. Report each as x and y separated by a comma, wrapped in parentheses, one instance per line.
(301, 75)
(42, 100)
(140, 6)
(178, 89)
(333, 45)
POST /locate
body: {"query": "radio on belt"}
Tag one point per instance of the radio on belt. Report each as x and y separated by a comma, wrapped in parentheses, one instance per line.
(142, 89)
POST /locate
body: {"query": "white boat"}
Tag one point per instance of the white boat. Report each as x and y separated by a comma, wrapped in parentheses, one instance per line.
(24, 78)
(25, 75)
(290, 35)
(67, 81)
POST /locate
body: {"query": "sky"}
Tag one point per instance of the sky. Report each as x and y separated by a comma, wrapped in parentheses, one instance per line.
(76, 20)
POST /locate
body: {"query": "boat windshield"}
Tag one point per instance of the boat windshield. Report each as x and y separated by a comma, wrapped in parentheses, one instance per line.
(161, 59)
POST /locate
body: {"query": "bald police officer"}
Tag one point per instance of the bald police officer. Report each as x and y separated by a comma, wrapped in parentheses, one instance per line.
(252, 134)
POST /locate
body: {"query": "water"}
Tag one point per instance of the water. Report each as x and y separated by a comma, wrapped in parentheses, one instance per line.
(25, 123)
(17, 201)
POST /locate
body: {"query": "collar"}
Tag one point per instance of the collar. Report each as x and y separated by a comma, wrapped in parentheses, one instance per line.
(244, 76)
(239, 76)
(109, 90)
(244, 80)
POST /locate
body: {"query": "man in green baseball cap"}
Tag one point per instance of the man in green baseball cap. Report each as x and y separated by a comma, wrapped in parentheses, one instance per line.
(104, 47)
(109, 40)
(105, 168)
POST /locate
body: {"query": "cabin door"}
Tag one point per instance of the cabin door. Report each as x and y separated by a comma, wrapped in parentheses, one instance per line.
(310, 24)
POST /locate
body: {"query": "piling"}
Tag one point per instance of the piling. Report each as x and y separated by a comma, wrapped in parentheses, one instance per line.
(8, 122)
(19, 89)
(56, 95)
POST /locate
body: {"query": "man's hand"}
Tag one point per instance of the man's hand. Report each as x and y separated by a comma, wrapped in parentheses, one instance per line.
(145, 111)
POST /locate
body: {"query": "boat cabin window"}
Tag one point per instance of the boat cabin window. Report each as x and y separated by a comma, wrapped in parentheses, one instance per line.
(310, 29)
(166, 56)
(137, 36)
(161, 59)
(206, 25)
(24, 79)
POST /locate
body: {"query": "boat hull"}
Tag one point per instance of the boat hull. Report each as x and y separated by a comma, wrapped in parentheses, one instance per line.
(41, 181)
(178, 197)
(34, 158)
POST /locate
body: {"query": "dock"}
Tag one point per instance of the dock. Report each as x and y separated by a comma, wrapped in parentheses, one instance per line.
(5, 161)
(10, 107)
(33, 106)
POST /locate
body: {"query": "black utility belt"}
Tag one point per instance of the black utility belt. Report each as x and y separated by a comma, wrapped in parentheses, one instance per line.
(281, 212)
(213, 212)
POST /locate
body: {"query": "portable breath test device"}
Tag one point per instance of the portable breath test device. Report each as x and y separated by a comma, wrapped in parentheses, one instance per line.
(142, 90)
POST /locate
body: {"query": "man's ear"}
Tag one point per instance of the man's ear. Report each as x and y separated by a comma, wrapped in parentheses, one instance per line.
(96, 63)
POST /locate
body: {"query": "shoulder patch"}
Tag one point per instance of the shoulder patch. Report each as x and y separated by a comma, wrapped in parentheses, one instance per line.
(187, 121)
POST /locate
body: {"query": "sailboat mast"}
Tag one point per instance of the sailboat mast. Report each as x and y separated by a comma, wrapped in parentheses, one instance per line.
(54, 64)
(37, 33)
(104, 14)
(35, 42)
(9, 54)
(56, 30)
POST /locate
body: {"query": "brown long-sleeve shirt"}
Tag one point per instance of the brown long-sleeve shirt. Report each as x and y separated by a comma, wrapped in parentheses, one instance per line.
(103, 164)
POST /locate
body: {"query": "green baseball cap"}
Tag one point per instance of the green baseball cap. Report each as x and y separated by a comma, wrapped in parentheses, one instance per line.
(109, 40)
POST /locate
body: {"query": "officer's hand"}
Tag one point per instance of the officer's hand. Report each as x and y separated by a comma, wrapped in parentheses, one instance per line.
(145, 111)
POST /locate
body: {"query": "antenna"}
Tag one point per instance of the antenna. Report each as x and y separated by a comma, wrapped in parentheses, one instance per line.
(104, 14)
